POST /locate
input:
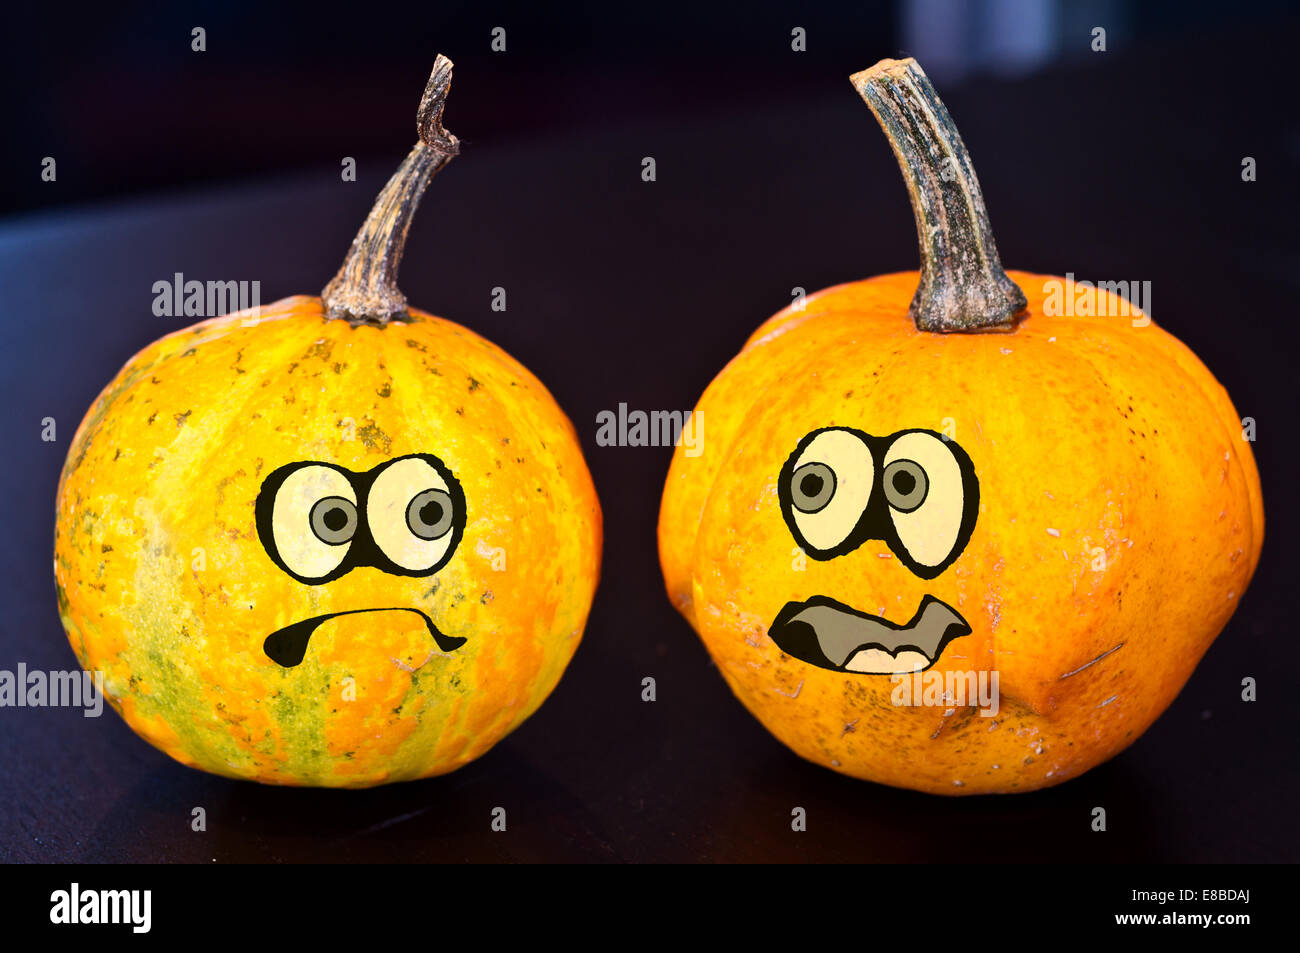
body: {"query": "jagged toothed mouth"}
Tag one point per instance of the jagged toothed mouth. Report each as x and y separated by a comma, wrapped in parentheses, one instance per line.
(824, 632)
(288, 646)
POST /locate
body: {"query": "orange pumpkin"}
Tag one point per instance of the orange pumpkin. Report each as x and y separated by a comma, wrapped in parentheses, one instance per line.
(336, 542)
(944, 536)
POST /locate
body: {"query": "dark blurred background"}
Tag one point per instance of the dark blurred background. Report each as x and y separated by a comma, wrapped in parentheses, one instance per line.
(1122, 165)
(114, 92)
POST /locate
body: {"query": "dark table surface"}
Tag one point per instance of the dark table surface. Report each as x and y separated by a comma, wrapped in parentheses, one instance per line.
(625, 291)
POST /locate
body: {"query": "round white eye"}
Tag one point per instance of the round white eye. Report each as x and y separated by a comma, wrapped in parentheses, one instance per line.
(313, 520)
(826, 488)
(923, 485)
(412, 514)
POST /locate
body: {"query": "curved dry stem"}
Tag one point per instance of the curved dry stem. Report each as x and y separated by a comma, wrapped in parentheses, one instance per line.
(365, 289)
(963, 286)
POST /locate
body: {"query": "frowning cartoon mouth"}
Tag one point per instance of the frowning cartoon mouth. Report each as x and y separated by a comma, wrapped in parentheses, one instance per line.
(829, 634)
(288, 646)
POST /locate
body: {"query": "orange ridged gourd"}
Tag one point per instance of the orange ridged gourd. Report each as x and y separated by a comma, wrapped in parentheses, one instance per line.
(924, 481)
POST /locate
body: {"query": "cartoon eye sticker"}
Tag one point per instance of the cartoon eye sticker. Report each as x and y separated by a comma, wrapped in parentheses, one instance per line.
(914, 490)
(412, 515)
(318, 521)
(926, 490)
(825, 487)
(307, 519)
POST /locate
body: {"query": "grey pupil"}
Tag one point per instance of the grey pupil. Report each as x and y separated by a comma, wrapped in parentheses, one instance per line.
(906, 485)
(333, 520)
(812, 487)
(429, 514)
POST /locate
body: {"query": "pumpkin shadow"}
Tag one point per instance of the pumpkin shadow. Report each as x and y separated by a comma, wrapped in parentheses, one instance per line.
(442, 819)
(848, 820)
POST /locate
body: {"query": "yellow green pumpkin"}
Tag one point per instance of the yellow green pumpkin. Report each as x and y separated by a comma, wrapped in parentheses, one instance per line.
(335, 541)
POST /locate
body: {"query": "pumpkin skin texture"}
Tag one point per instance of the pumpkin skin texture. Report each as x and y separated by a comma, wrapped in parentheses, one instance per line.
(166, 586)
(1120, 520)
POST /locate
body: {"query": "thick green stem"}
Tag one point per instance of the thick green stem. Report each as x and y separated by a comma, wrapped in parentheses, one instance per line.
(963, 286)
(365, 289)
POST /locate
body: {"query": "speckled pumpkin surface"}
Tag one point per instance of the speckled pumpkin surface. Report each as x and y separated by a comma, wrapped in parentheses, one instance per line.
(335, 541)
(165, 585)
(1041, 487)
